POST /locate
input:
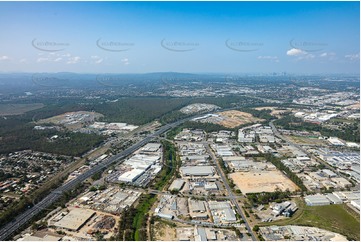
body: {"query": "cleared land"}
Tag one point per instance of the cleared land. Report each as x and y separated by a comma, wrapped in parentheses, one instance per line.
(302, 140)
(164, 231)
(16, 109)
(274, 111)
(198, 107)
(72, 120)
(262, 181)
(234, 118)
(331, 217)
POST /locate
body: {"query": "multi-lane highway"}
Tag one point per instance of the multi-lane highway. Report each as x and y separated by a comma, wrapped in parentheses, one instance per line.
(12, 226)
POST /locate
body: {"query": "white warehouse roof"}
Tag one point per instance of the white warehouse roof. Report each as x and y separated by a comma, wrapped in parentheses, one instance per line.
(131, 176)
(197, 170)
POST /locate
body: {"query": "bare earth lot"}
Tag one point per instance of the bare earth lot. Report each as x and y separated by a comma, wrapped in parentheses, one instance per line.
(16, 109)
(234, 118)
(262, 181)
(274, 111)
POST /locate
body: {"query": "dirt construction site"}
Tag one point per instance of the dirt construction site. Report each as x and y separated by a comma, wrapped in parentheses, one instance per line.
(262, 181)
(234, 118)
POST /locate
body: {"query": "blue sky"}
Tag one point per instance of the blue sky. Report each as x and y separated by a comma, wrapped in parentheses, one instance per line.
(197, 37)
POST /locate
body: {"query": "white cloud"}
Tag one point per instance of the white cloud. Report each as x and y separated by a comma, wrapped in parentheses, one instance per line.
(125, 61)
(97, 59)
(42, 59)
(331, 56)
(306, 57)
(58, 59)
(295, 52)
(22, 60)
(73, 60)
(300, 54)
(4, 57)
(353, 57)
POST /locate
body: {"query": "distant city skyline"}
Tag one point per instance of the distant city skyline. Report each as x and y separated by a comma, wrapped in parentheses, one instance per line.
(191, 37)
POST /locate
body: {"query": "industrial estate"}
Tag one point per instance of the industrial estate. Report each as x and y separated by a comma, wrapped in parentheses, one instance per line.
(216, 174)
(180, 121)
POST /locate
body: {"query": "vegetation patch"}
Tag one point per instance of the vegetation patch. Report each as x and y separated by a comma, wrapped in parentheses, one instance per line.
(330, 217)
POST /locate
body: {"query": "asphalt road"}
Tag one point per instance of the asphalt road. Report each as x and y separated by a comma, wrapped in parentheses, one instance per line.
(12, 226)
(233, 198)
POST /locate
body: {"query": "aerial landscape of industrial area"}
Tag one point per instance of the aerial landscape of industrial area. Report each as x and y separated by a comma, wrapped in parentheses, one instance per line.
(179, 155)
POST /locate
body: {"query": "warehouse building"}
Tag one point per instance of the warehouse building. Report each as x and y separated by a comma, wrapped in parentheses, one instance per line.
(334, 199)
(131, 176)
(197, 170)
(176, 185)
(317, 200)
(356, 204)
(210, 186)
(75, 219)
(196, 206)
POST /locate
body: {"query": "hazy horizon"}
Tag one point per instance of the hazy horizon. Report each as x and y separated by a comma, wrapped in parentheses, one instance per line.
(185, 37)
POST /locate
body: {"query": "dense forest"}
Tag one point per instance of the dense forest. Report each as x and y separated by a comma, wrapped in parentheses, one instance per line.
(16, 132)
(67, 143)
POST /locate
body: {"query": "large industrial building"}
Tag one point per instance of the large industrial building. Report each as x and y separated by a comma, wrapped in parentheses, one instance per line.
(75, 219)
(197, 170)
(176, 185)
(131, 176)
(317, 200)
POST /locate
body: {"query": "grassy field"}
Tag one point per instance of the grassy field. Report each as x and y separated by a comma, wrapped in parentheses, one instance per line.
(16, 109)
(331, 217)
(306, 140)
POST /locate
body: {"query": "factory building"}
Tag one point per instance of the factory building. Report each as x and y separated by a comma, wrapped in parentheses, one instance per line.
(197, 170)
(176, 185)
(317, 200)
(210, 186)
(131, 176)
(196, 206)
(334, 199)
(75, 219)
(165, 216)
